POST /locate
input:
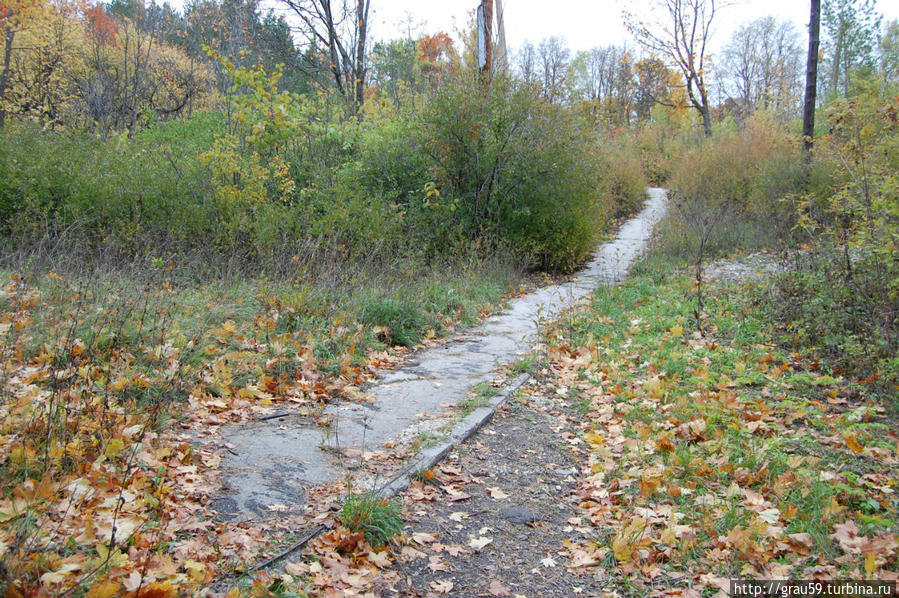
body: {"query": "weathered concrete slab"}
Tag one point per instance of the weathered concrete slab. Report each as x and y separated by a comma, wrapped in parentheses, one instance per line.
(276, 462)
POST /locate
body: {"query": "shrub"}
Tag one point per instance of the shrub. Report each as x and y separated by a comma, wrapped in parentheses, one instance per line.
(729, 189)
(516, 170)
(844, 295)
(623, 180)
(402, 319)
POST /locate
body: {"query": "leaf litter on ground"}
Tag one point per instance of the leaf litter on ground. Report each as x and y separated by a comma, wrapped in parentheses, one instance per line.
(700, 457)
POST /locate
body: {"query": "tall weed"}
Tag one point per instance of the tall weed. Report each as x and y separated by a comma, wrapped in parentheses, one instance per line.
(729, 190)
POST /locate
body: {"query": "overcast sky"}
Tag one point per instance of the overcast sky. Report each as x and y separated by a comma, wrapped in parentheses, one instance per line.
(584, 24)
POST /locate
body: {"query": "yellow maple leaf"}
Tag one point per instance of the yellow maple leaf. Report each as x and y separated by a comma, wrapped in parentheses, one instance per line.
(196, 570)
(625, 542)
(870, 563)
(114, 447)
(114, 558)
(595, 438)
(105, 589)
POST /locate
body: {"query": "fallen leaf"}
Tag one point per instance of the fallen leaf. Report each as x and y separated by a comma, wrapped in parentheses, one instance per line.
(435, 563)
(61, 574)
(407, 553)
(496, 588)
(852, 442)
(381, 559)
(497, 493)
(105, 589)
(771, 516)
(870, 563)
(442, 587)
(648, 486)
(456, 549)
(423, 538)
(480, 542)
(802, 542)
(625, 541)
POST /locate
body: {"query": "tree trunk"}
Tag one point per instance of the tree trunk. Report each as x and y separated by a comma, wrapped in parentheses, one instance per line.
(487, 69)
(4, 76)
(706, 117)
(811, 79)
(359, 74)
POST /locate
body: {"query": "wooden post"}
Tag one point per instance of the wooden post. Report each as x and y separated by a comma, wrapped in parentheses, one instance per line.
(485, 35)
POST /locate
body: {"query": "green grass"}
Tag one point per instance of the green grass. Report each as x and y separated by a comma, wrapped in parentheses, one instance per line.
(430, 439)
(480, 396)
(377, 517)
(765, 418)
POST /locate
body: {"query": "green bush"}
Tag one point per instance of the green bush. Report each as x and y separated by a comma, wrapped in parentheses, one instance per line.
(843, 298)
(516, 170)
(115, 190)
(402, 319)
(498, 170)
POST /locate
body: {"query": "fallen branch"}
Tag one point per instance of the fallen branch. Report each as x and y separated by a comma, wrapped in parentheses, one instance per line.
(272, 416)
(293, 548)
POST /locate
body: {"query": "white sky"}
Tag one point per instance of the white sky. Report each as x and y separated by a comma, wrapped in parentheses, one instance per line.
(583, 23)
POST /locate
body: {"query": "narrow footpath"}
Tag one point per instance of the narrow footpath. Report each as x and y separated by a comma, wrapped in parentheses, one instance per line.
(275, 464)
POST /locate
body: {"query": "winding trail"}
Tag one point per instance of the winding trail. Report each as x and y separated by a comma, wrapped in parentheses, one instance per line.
(276, 463)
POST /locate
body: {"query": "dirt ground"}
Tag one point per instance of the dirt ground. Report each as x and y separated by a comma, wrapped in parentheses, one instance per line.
(495, 518)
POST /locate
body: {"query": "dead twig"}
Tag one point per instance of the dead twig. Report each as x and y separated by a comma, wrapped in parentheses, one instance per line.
(272, 416)
(290, 550)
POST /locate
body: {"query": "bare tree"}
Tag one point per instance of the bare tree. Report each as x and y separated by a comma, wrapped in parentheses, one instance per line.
(527, 62)
(552, 58)
(853, 32)
(591, 68)
(681, 34)
(342, 31)
(761, 66)
(889, 52)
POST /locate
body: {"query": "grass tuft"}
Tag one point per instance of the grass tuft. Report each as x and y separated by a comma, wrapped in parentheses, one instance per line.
(377, 517)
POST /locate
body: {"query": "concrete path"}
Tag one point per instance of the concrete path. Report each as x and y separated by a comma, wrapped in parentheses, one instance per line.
(277, 461)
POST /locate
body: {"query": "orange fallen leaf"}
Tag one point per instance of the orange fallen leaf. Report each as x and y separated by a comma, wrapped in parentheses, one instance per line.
(105, 589)
(648, 486)
(664, 445)
(852, 442)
